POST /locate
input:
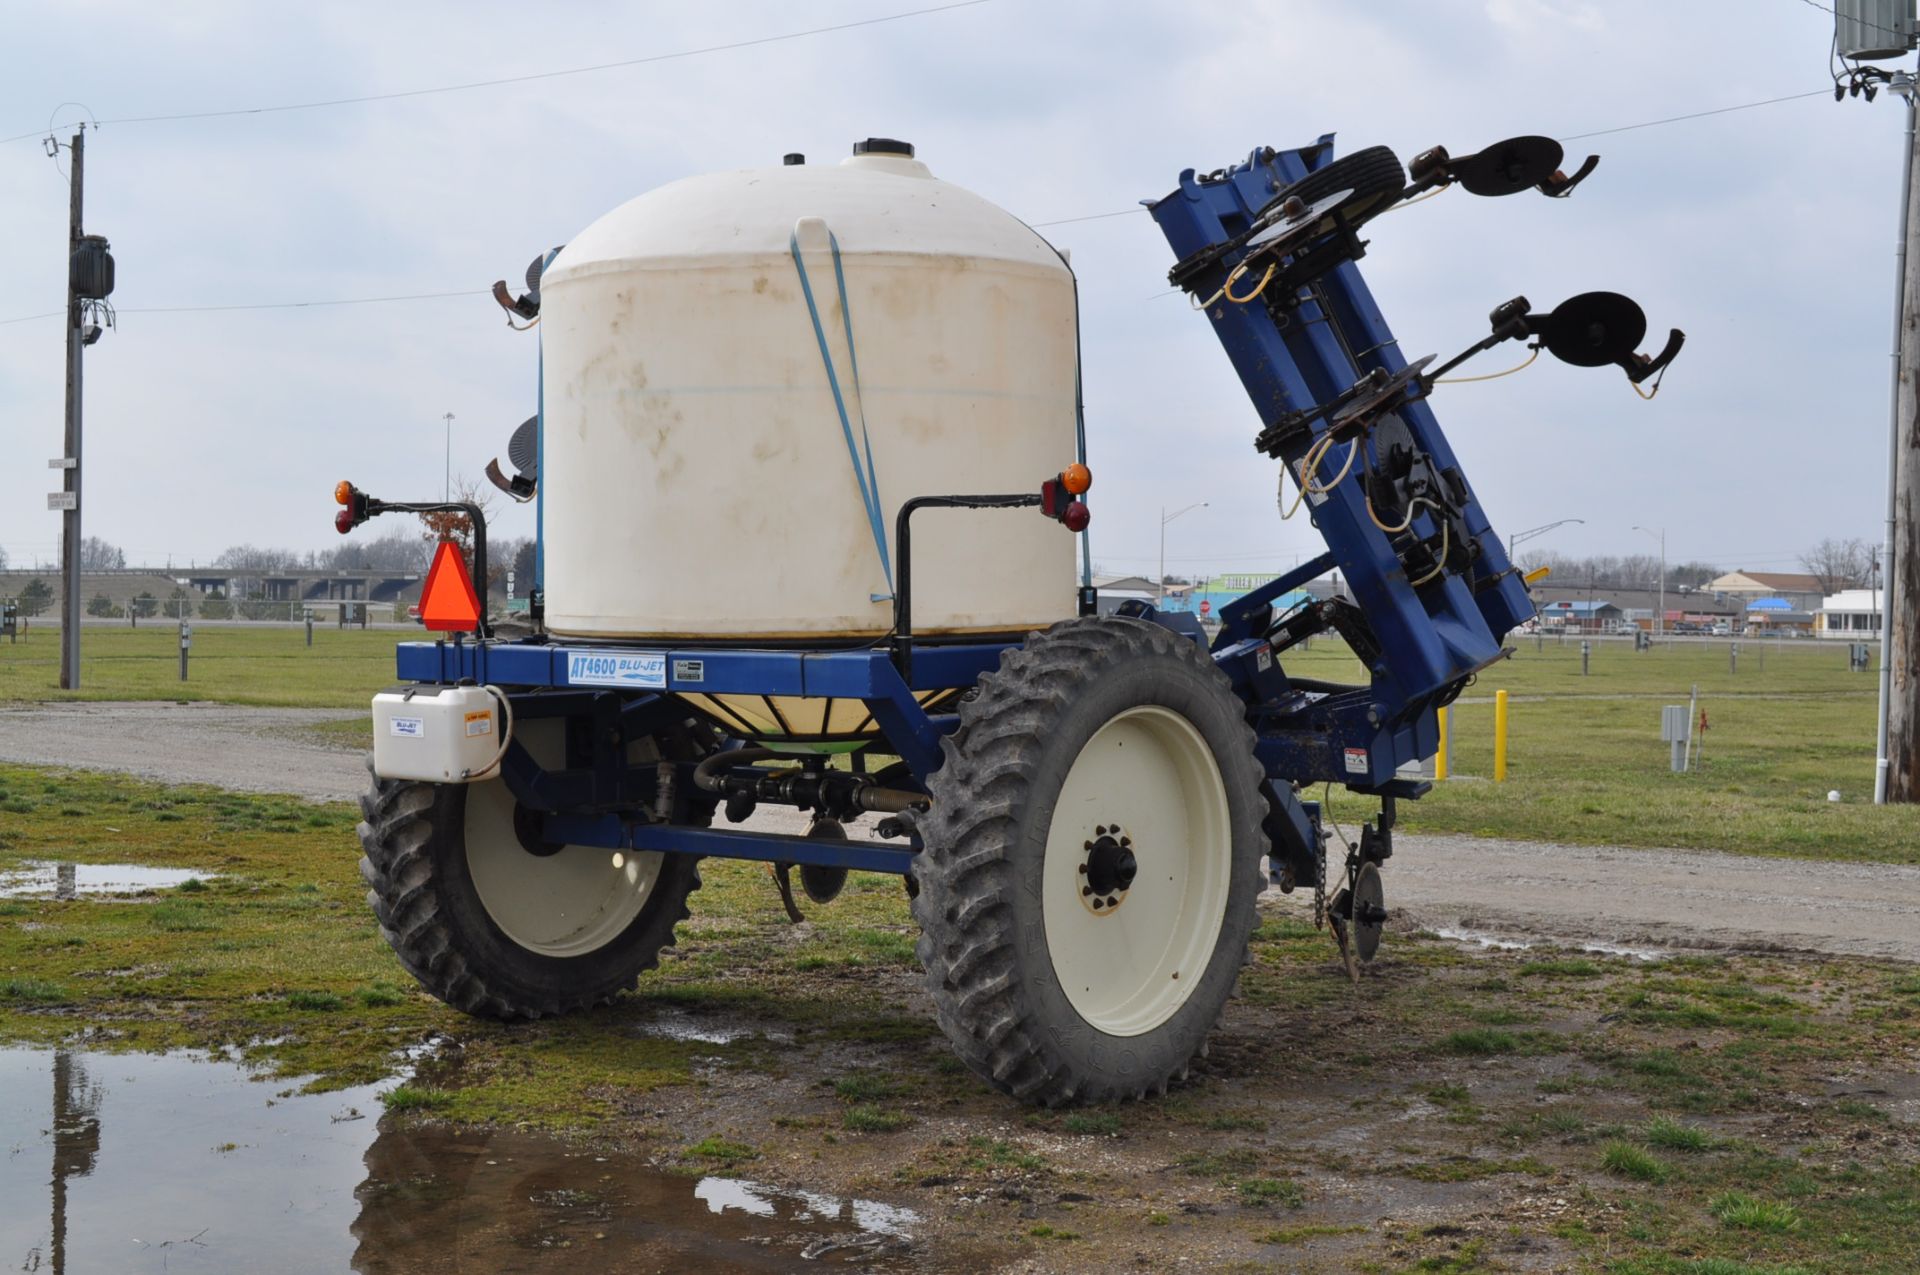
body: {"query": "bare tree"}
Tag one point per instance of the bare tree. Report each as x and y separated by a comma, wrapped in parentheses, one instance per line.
(97, 555)
(457, 527)
(1837, 564)
(398, 548)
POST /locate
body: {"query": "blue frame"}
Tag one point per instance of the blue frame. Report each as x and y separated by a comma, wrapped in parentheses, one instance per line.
(1432, 637)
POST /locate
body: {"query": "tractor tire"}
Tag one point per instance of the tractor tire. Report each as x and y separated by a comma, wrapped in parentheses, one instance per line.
(1090, 865)
(498, 929)
(1374, 175)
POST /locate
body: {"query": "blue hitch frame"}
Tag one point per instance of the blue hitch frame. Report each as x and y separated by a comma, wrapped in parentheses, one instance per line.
(1301, 357)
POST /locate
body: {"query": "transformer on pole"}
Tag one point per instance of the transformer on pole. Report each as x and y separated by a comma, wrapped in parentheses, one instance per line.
(1875, 31)
(89, 284)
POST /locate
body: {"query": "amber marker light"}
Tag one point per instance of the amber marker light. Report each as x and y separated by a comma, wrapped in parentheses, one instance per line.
(1076, 478)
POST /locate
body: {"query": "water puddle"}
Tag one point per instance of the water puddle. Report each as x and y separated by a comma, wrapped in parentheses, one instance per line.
(686, 1029)
(43, 879)
(1499, 943)
(185, 1163)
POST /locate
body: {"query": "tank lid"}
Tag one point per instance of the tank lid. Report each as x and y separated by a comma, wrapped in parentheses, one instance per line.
(793, 159)
(883, 146)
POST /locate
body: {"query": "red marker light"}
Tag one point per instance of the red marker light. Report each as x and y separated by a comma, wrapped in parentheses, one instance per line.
(1076, 517)
(343, 521)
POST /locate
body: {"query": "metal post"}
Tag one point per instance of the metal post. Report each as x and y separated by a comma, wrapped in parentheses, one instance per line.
(1160, 589)
(70, 530)
(186, 640)
(309, 626)
(1733, 658)
(1586, 653)
(448, 493)
(1499, 737)
(1898, 725)
(1693, 715)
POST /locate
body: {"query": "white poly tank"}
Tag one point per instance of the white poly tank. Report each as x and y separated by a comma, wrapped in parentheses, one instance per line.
(696, 471)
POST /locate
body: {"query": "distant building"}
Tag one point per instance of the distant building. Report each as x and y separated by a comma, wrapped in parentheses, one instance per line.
(1777, 616)
(1111, 591)
(1207, 597)
(1596, 615)
(1852, 615)
(1688, 610)
(1801, 592)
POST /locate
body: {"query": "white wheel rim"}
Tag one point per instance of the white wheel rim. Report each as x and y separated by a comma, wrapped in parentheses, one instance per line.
(1148, 773)
(569, 903)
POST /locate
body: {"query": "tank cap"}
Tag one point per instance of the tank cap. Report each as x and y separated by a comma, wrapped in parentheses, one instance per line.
(793, 158)
(883, 146)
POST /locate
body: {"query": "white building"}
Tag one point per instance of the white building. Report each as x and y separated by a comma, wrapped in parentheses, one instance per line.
(1852, 615)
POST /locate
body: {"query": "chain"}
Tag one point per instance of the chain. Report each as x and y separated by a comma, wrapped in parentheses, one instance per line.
(1320, 887)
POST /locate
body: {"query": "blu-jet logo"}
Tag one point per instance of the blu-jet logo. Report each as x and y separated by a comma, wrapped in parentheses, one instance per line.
(644, 669)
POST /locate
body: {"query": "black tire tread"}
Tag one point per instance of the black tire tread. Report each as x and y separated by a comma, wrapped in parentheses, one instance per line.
(1373, 173)
(964, 870)
(396, 831)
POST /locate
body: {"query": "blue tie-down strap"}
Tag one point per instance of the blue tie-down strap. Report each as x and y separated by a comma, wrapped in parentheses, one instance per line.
(863, 470)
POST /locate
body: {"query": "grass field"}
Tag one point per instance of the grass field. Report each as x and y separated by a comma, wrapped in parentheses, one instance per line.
(1586, 763)
(1689, 1116)
(267, 666)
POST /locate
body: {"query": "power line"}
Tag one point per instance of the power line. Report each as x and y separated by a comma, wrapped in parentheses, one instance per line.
(1571, 137)
(520, 79)
(266, 305)
(301, 305)
(1062, 221)
(1068, 221)
(1697, 115)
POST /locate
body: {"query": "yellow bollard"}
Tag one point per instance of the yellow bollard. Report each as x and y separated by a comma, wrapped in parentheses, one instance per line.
(1440, 757)
(1499, 737)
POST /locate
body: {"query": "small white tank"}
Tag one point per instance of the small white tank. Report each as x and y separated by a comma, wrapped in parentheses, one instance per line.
(696, 472)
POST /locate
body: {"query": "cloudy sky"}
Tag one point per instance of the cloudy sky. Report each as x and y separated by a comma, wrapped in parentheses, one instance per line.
(1765, 233)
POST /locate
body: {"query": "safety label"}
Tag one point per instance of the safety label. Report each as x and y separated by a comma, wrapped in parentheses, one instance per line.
(1357, 761)
(689, 670)
(408, 727)
(646, 670)
(479, 724)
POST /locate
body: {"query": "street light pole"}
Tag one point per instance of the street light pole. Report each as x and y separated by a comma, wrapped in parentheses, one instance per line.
(1520, 537)
(1165, 518)
(1660, 621)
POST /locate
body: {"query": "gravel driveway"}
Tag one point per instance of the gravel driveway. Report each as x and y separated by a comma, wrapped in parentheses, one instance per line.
(1480, 890)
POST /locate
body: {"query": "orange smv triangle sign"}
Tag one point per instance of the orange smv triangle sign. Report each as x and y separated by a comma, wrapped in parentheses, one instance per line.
(448, 602)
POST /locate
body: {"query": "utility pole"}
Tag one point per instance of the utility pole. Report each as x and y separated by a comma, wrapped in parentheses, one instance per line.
(1897, 767)
(70, 457)
(1660, 621)
(1866, 32)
